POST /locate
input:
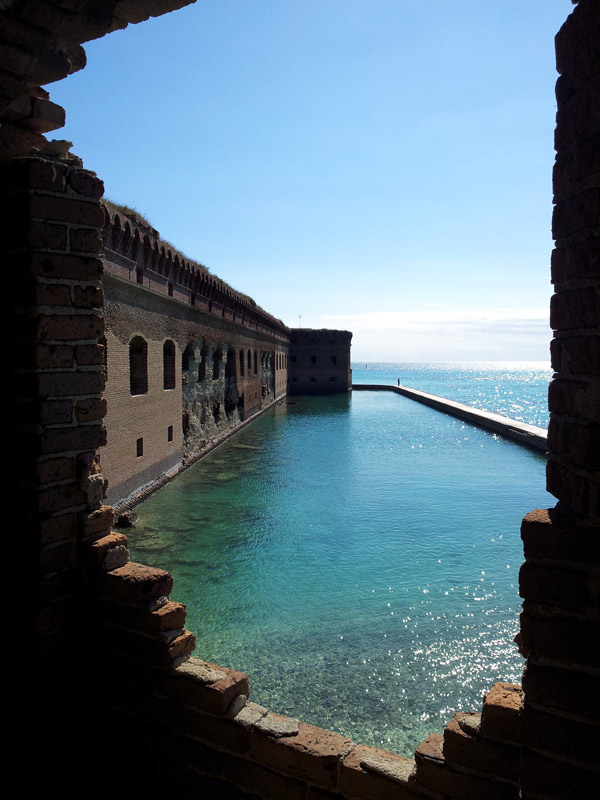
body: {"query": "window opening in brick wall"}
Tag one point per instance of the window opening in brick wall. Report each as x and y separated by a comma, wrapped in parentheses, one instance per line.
(170, 289)
(138, 366)
(249, 360)
(334, 359)
(169, 365)
(313, 359)
(293, 359)
(139, 447)
(255, 363)
(202, 367)
(216, 365)
(187, 356)
(139, 276)
(312, 380)
(170, 433)
(241, 363)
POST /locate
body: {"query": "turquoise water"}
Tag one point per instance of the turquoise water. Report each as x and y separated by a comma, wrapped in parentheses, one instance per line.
(517, 389)
(357, 556)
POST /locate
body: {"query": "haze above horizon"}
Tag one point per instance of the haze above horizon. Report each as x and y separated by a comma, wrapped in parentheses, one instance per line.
(383, 166)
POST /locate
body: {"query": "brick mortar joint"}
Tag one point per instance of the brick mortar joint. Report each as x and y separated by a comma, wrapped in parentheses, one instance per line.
(562, 714)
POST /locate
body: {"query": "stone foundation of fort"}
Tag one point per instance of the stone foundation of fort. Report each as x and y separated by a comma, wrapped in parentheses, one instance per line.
(111, 697)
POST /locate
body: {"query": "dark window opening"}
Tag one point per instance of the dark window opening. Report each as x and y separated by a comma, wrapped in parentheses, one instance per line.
(241, 363)
(192, 299)
(216, 411)
(216, 366)
(168, 365)
(187, 356)
(312, 380)
(138, 366)
(334, 359)
(170, 433)
(139, 448)
(333, 378)
(294, 380)
(249, 360)
(313, 359)
(140, 276)
(202, 367)
(255, 363)
(293, 359)
(170, 289)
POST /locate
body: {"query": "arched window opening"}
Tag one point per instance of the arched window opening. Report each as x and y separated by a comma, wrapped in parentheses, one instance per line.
(249, 360)
(187, 356)
(255, 363)
(169, 365)
(138, 366)
(241, 363)
(217, 357)
(202, 366)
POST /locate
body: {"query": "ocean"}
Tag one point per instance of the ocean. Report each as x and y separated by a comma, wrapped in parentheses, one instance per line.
(357, 555)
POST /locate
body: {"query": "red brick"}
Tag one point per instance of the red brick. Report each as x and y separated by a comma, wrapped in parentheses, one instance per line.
(463, 747)
(60, 384)
(85, 240)
(368, 772)
(575, 308)
(574, 398)
(47, 236)
(53, 356)
(168, 617)
(575, 692)
(568, 739)
(56, 469)
(556, 780)
(192, 684)
(311, 755)
(52, 294)
(92, 409)
(39, 173)
(159, 650)
(548, 536)
(575, 443)
(568, 640)
(67, 266)
(88, 297)
(70, 327)
(63, 440)
(58, 529)
(61, 498)
(97, 521)
(500, 712)
(554, 585)
(136, 584)
(86, 183)
(435, 775)
(66, 209)
(261, 781)
(569, 487)
(90, 354)
(59, 557)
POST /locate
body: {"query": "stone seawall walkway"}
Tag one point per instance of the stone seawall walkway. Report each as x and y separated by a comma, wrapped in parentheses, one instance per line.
(521, 432)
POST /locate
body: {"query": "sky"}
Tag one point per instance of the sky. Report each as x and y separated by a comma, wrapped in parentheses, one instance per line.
(381, 166)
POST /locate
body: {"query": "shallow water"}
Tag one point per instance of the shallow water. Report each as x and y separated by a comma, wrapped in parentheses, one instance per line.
(357, 556)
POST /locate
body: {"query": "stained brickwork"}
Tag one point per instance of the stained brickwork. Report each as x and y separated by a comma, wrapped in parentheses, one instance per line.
(319, 362)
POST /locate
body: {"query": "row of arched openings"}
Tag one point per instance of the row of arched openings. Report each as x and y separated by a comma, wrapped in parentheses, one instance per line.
(138, 365)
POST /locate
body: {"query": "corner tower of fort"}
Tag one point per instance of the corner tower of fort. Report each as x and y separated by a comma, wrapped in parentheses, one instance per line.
(111, 697)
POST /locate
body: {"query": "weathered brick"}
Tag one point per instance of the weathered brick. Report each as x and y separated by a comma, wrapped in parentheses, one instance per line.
(465, 747)
(60, 384)
(159, 650)
(554, 585)
(47, 236)
(568, 739)
(86, 183)
(66, 209)
(556, 780)
(64, 265)
(135, 584)
(53, 356)
(90, 354)
(500, 713)
(55, 412)
(85, 240)
(92, 409)
(575, 443)
(52, 294)
(56, 469)
(267, 784)
(571, 691)
(575, 399)
(109, 552)
(88, 297)
(575, 308)
(206, 687)
(58, 529)
(548, 536)
(312, 754)
(377, 774)
(60, 498)
(97, 521)
(168, 617)
(566, 640)
(70, 327)
(568, 487)
(62, 440)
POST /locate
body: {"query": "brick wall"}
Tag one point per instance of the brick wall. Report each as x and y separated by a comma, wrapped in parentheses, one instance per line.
(319, 362)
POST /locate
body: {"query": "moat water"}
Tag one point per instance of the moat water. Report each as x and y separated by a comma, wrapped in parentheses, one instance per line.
(357, 556)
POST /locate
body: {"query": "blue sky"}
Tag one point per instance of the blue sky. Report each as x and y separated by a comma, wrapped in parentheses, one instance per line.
(377, 165)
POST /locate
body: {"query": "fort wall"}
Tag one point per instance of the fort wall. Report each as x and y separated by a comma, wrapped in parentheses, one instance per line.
(105, 656)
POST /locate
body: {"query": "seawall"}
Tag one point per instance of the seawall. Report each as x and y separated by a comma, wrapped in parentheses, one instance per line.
(521, 432)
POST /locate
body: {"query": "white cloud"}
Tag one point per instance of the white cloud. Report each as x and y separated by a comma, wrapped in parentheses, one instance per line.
(447, 335)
